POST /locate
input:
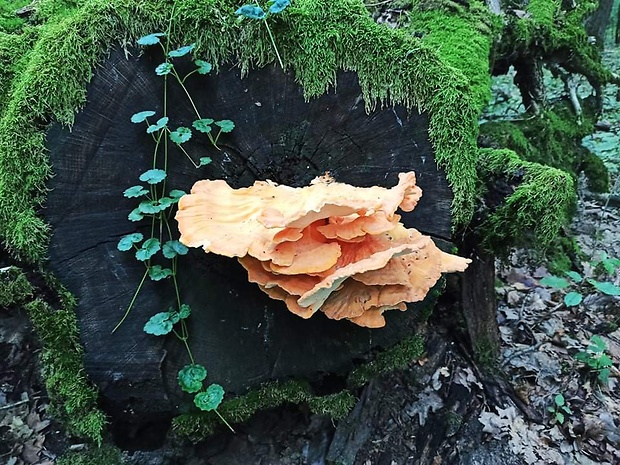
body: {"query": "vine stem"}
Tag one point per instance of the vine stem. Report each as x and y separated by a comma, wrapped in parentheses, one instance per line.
(133, 300)
(273, 42)
(224, 421)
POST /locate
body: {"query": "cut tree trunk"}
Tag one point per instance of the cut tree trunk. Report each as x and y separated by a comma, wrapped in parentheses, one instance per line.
(240, 335)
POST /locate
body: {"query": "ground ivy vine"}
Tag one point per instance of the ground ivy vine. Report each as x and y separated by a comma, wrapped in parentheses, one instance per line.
(155, 204)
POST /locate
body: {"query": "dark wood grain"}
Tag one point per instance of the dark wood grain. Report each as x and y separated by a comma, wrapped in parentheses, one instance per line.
(243, 337)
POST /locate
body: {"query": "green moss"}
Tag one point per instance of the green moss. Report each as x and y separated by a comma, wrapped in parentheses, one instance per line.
(397, 358)
(463, 38)
(199, 425)
(595, 171)
(9, 21)
(552, 138)
(540, 205)
(74, 399)
(104, 455)
(550, 30)
(564, 254)
(316, 38)
(336, 406)
(486, 352)
(14, 287)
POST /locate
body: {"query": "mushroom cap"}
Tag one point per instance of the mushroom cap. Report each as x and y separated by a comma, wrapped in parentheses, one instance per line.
(328, 246)
(236, 222)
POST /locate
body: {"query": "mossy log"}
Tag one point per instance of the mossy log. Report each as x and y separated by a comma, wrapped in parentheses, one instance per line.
(240, 335)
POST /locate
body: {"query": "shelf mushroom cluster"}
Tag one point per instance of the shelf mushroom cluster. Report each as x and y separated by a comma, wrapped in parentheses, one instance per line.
(328, 247)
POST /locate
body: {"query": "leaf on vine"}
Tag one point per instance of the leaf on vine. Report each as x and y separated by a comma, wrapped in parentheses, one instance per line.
(141, 116)
(176, 194)
(126, 243)
(191, 377)
(278, 6)
(135, 215)
(161, 123)
(203, 125)
(151, 39)
(157, 273)
(173, 248)
(135, 191)
(164, 68)
(153, 176)
(181, 51)
(149, 248)
(209, 399)
(225, 125)
(149, 207)
(159, 324)
(251, 11)
(185, 311)
(203, 66)
(205, 161)
(181, 135)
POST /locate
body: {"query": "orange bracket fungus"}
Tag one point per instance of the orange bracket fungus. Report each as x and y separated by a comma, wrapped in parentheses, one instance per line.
(327, 247)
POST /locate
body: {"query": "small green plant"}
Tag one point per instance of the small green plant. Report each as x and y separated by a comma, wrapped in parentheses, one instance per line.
(576, 285)
(596, 359)
(155, 204)
(560, 409)
(256, 12)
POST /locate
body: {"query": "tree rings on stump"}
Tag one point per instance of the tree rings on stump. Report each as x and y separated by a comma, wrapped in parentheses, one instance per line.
(243, 337)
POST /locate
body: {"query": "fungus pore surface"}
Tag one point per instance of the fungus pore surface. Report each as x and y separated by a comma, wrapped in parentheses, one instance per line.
(328, 247)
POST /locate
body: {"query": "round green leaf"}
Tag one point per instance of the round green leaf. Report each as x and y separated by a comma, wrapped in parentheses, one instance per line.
(209, 399)
(126, 243)
(181, 51)
(555, 282)
(278, 6)
(141, 116)
(225, 125)
(191, 377)
(185, 311)
(135, 191)
(159, 324)
(173, 248)
(572, 299)
(149, 207)
(205, 161)
(161, 123)
(181, 135)
(135, 215)
(203, 66)
(157, 273)
(149, 248)
(163, 69)
(203, 125)
(153, 176)
(176, 194)
(251, 11)
(151, 39)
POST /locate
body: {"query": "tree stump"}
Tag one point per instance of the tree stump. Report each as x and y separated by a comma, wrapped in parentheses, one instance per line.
(243, 337)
